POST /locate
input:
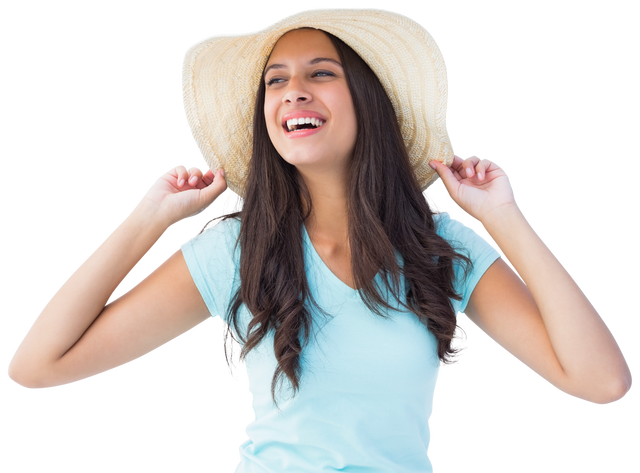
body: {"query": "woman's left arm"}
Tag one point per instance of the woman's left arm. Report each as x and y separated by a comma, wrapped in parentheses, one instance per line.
(548, 323)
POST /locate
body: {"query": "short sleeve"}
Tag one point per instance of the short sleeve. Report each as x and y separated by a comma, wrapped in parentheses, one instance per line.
(469, 243)
(213, 262)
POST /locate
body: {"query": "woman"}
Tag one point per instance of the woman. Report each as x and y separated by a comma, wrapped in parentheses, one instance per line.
(342, 353)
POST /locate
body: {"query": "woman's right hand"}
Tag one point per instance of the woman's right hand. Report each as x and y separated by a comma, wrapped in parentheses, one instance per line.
(180, 193)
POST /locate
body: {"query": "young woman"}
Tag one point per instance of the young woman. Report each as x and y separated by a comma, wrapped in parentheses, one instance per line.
(338, 281)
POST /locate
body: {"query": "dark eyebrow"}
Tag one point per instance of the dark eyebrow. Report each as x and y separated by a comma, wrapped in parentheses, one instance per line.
(311, 63)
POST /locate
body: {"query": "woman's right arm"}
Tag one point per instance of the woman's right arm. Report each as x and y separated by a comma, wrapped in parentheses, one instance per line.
(77, 335)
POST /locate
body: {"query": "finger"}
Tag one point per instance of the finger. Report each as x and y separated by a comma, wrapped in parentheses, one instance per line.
(181, 174)
(473, 165)
(476, 167)
(194, 176)
(460, 166)
(484, 166)
(207, 177)
(457, 161)
(470, 166)
(481, 168)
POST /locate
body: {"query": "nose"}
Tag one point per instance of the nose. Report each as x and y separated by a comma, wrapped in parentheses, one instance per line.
(296, 92)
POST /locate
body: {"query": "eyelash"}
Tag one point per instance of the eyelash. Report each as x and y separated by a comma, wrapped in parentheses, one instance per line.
(329, 73)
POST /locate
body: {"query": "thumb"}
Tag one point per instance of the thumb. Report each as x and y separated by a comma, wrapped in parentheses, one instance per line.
(217, 187)
(448, 179)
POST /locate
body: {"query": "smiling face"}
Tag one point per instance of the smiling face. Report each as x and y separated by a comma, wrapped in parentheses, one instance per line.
(308, 107)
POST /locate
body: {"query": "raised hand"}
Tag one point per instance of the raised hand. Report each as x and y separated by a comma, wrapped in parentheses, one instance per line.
(479, 187)
(180, 193)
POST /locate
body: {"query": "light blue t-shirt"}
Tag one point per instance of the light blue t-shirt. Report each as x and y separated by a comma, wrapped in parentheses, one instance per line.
(367, 383)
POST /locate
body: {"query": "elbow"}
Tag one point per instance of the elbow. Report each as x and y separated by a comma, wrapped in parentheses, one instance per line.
(615, 395)
(620, 387)
(599, 389)
(25, 378)
(27, 382)
(622, 392)
(20, 378)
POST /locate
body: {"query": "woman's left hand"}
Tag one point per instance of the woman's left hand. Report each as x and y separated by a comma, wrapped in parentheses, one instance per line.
(479, 187)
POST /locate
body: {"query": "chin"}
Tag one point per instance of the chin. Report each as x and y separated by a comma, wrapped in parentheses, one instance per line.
(300, 160)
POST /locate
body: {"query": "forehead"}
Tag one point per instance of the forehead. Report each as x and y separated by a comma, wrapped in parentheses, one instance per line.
(302, 44)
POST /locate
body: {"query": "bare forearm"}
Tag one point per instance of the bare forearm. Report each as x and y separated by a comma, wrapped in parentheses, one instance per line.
(83, 297)
(586, 350)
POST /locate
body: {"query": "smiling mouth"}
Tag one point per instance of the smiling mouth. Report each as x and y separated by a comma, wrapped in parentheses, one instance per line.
(306, 126)
(302, 124)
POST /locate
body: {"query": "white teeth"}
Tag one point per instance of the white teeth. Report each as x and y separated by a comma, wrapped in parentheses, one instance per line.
(301, 121)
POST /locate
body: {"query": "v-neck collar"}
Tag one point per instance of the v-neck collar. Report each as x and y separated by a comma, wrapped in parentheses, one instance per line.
(346, 289)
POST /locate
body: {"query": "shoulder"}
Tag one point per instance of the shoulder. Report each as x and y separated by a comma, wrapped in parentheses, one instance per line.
(217, 240)
(455, 232)
(466, 242)
(229, 227)
(448, 226)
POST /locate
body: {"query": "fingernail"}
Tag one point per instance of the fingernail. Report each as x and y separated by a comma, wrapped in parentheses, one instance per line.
(193, 179)
(222, 172)
(469, 172)
(432, 164)
(180, 182)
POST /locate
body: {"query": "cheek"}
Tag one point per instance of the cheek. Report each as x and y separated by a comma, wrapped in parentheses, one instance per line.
(347, 110)
(268, 108)
(270, 116)
(351, 122)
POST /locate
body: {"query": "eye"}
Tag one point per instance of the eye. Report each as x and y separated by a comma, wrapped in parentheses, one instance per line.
(323, 73)
(274, 80)
(316, 73)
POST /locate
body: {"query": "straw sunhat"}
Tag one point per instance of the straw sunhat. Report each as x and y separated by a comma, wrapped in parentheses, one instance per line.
(221, 77)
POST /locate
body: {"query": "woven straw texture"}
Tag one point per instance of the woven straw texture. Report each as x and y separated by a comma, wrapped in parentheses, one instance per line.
(221, 77)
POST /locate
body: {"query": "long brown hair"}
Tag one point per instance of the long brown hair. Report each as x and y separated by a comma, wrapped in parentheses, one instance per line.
(386, 212)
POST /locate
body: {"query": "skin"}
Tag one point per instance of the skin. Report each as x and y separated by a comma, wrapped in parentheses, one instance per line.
(294, 83)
